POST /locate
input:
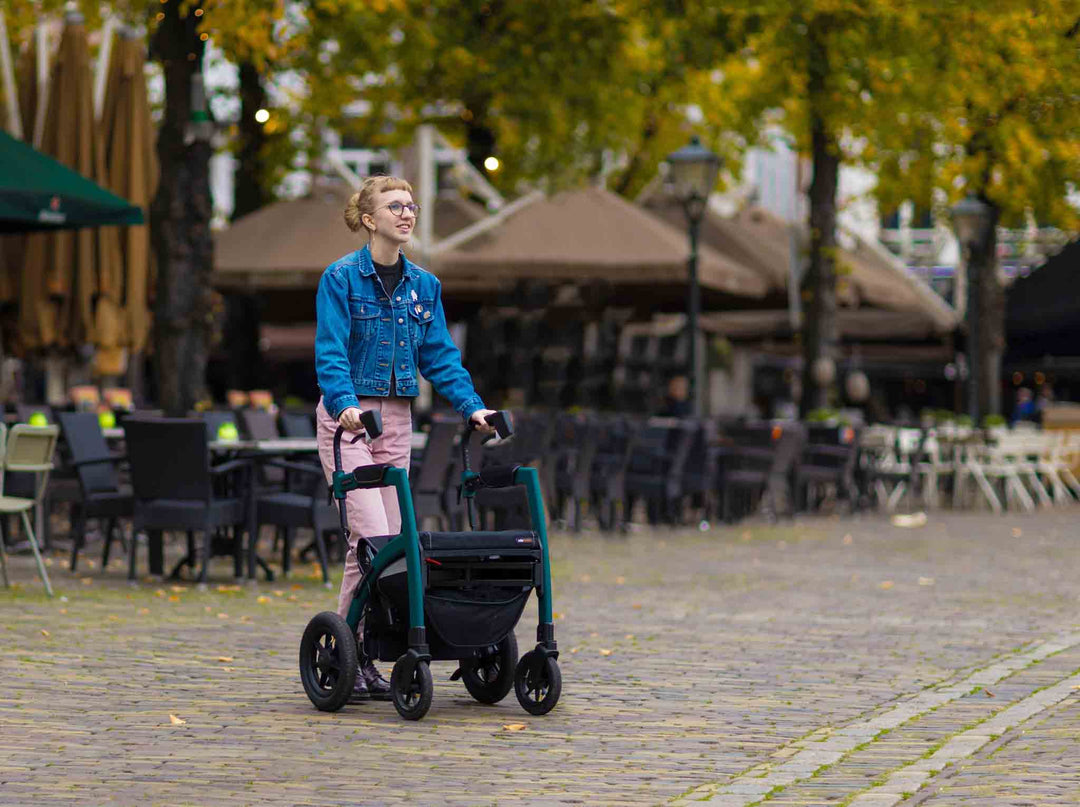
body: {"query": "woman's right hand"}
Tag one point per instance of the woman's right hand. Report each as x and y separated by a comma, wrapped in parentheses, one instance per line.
(349, 419)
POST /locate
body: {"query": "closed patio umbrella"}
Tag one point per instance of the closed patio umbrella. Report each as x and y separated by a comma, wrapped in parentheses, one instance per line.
(61, 270)
(131, 171)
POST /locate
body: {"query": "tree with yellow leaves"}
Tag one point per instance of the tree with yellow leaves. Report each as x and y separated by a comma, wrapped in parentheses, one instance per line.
(989, 110)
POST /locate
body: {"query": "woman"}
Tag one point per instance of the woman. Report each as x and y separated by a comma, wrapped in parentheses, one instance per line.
(379, 322)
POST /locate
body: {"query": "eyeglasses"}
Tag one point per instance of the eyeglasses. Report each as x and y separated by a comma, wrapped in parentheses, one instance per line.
(398, 209)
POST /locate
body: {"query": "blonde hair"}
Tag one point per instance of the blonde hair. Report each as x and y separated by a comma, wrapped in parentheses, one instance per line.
(363, 201)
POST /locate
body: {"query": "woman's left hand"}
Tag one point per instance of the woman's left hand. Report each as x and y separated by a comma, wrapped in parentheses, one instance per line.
(478, 422)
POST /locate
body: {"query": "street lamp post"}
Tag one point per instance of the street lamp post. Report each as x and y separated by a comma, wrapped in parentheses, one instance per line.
(971, 219)
(692, 171)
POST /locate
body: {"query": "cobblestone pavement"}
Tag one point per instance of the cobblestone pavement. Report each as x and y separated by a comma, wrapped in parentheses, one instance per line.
(830, 662)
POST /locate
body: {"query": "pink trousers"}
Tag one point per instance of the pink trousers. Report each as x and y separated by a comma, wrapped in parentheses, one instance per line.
(370, 512)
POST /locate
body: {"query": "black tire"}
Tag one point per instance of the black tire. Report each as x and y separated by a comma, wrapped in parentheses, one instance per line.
(538, 695)
(412, 698)
(328, 661)
(490, 678)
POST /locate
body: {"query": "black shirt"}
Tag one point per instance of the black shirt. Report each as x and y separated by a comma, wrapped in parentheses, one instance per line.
(390, 275)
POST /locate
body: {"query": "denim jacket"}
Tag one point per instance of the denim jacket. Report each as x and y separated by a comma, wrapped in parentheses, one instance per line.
(360, 332)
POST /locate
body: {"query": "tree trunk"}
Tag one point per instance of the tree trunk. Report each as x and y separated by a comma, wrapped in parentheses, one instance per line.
(821, 334)
(991, 335)
(180, 221)
(250, 175)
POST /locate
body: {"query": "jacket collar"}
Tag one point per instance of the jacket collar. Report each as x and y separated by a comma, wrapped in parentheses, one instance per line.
(367, 265)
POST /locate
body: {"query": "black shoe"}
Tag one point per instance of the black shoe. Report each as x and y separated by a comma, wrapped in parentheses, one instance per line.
(378, 688)
(360, 689)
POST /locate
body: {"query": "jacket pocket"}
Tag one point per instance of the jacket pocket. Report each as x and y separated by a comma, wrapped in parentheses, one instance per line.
(364, 331)
(421, 314)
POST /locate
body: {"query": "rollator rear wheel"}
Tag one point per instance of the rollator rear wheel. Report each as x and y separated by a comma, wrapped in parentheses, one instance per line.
(412, 698)
(490, 677)
(328, 661)
(537, 692)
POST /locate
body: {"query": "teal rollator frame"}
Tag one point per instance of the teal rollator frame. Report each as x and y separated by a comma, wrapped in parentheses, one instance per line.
(469, 588)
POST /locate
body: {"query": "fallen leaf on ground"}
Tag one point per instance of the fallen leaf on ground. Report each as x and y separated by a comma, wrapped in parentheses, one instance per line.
(296, 586)
(229, 669)
(636, 606)
(87, 580)
(575, 649)
(176, 589)
(45, 633)
(207, 608)
(173, 598)
(909, 521)
(848, 539)
(886, 584)
(292, 598)
(989, 694)
(585, 578)
(159, 593)
(279, 593)
(176, 721)
(605, 652)
(1017, 532)
(746, 536)
(262, 600)
(556, 615)
(620, 580)
(222, 616)
(225, 659)
(514, 726)
(926, 581)
(144, 611)
(63, 610)
(629, 636)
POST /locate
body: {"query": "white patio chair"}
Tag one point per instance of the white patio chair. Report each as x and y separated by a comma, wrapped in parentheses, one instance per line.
(28, 449)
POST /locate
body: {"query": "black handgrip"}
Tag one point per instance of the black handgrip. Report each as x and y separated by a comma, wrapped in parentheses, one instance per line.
(503, 423)
(370, 476)
(372, 423)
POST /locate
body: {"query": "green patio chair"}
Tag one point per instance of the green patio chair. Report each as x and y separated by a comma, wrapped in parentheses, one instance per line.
(27, 449)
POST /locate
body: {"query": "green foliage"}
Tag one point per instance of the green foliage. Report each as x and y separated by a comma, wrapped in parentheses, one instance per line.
(987, 106)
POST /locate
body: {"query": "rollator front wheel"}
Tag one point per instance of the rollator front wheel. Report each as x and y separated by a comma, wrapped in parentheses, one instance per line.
(412, 697)
(328, 661)
(537, 691)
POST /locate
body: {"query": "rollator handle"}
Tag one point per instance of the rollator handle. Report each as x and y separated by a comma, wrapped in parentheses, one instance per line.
(372, 422)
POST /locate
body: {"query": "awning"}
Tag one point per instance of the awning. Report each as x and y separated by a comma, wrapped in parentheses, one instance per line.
(39, 193)
(590, 235)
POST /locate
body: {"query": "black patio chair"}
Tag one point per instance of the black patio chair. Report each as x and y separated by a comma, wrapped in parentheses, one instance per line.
(289, 510)
(827, 461)
(104, 498)
(655, 465)
(569, 463)
(177, 487)
(430, 480)
(297, 424)
(607, 472)
(753, 467)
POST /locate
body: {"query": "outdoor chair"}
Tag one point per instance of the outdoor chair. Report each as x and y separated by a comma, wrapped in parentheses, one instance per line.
(607, 472)
(290, 510)
(509, 507)
(569, 464)
(827, 461)
(103, 497)
(431, 478)
(174, 486)
(752, 464)
(297, 424)
(27, 449)
(655, 465)
(62, 485)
